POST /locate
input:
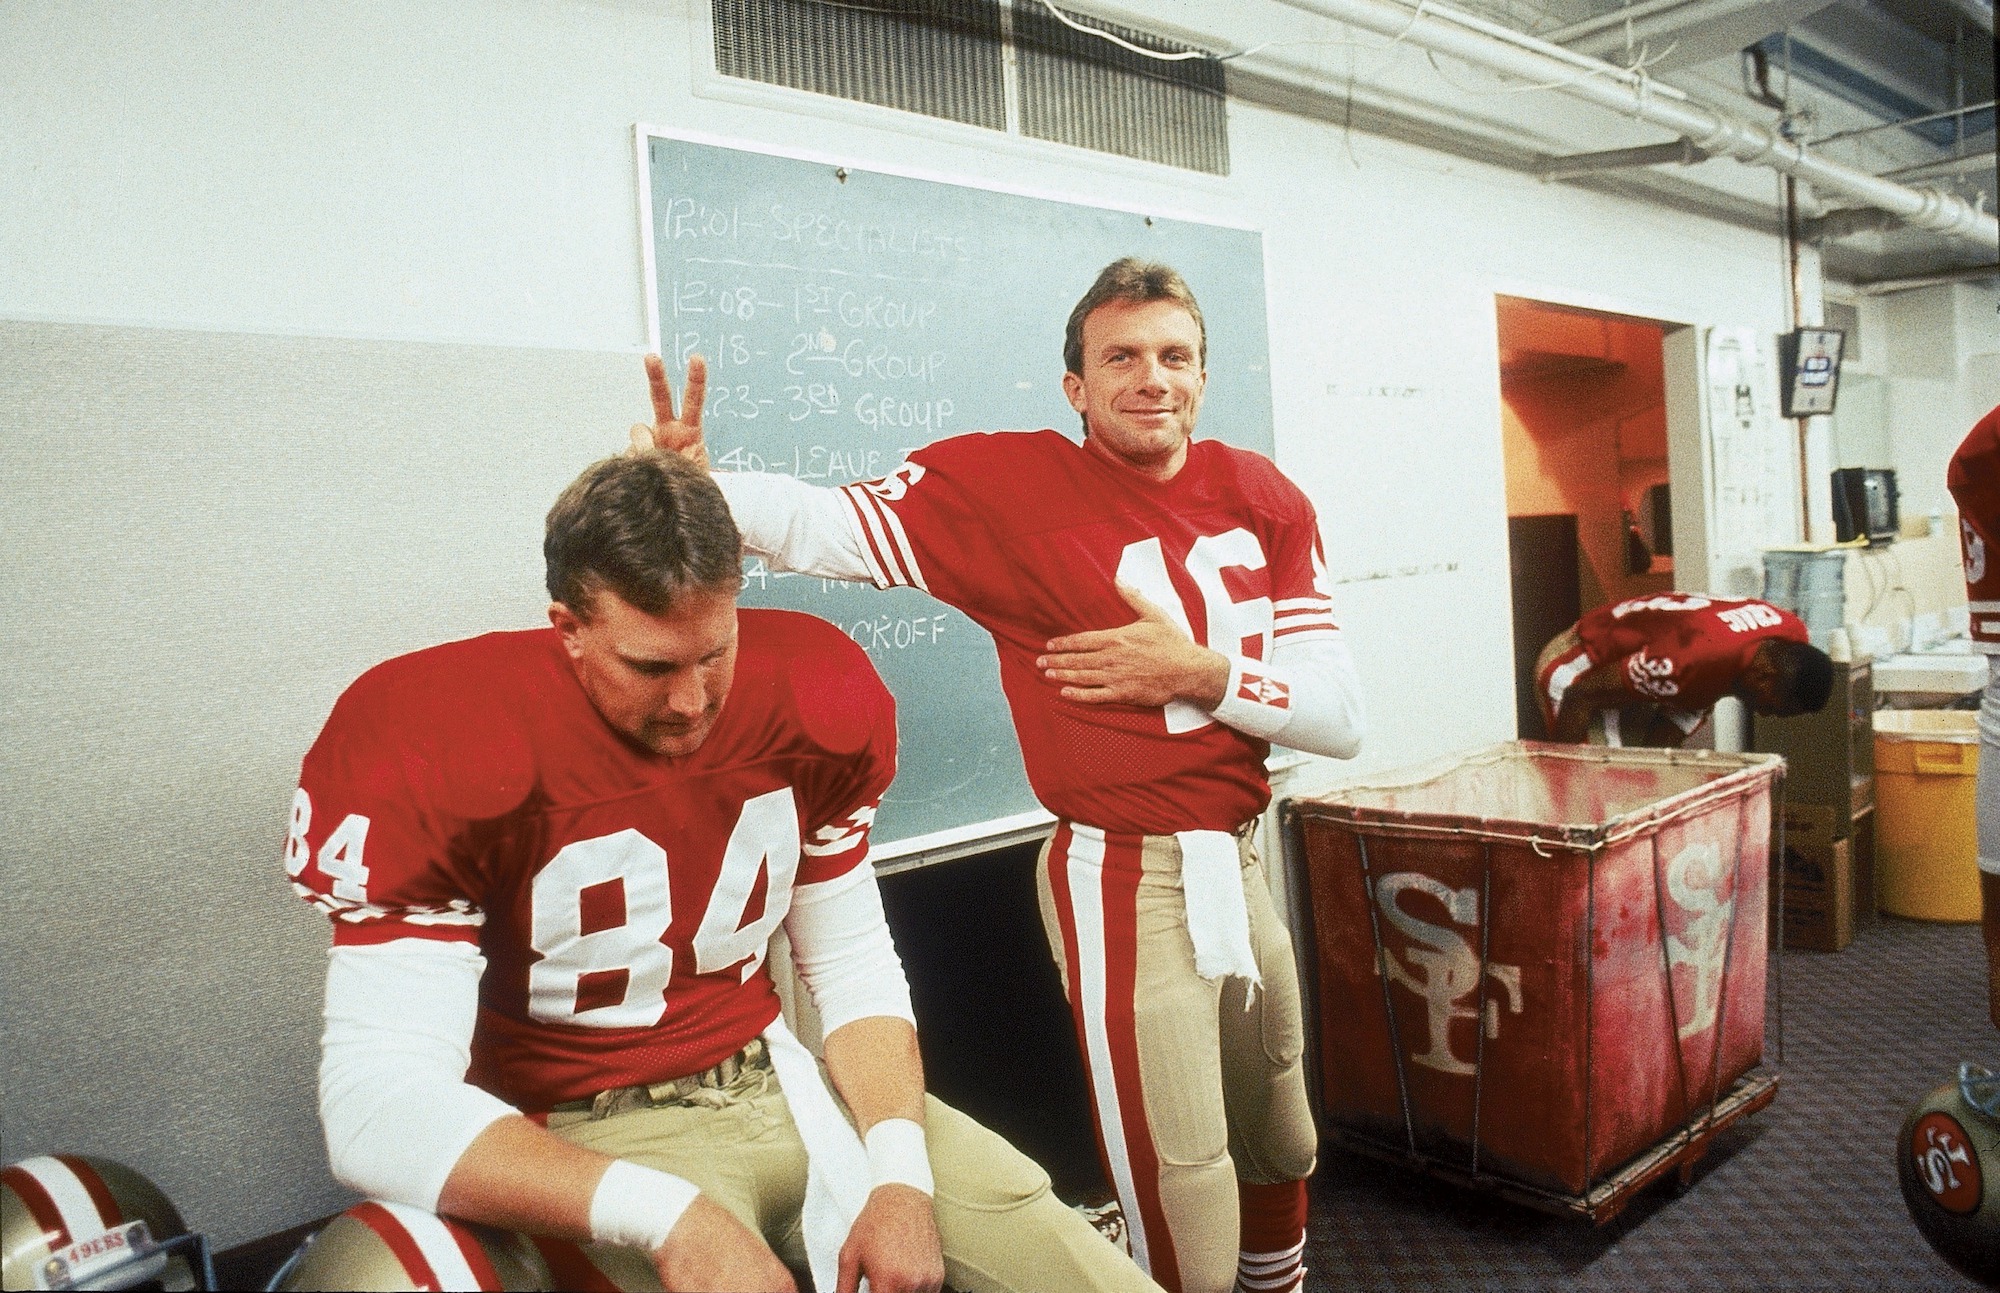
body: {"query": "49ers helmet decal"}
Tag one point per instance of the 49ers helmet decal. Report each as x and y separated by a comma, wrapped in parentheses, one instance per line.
(71, 1221)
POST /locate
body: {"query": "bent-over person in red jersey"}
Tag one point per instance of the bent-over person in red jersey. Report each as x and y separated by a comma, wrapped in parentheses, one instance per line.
(1670, 657)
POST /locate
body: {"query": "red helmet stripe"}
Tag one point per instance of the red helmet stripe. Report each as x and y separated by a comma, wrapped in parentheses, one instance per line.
(100, 1193)
(475, 1255)
(40, 1206)
(380, 1220)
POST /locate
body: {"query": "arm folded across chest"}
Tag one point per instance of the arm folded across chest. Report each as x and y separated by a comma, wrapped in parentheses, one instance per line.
(1308, 697)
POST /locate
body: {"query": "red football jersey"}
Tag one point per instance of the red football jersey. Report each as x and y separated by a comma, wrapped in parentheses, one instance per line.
(1974, 481)
(1029, 533)
(471, 793)
(1684, 650)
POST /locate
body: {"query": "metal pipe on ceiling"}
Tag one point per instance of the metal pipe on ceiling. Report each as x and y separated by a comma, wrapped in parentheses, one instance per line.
(1979, 11)
(1447, 31)
(1435, 27)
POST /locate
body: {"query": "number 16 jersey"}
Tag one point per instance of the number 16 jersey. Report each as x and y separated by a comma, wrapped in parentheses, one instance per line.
(1029, 534)
(471, 793)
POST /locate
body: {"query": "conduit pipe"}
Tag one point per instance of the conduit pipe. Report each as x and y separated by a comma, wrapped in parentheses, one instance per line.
(1463, 36)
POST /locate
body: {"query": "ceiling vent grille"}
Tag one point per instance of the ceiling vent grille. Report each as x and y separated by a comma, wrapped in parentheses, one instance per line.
(1083, 90)
(942, 58)
(949, 59)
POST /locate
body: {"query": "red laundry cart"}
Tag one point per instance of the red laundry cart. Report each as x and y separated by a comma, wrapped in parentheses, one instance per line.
(1541, 967)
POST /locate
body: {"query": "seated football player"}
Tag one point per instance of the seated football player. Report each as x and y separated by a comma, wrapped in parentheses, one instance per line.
(553, 859)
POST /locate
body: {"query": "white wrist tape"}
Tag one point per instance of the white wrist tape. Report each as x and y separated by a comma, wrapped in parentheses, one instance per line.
(897, 1153)
(636, 1207)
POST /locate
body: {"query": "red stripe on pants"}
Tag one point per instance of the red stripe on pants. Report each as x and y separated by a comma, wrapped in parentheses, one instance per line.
(1117, 884)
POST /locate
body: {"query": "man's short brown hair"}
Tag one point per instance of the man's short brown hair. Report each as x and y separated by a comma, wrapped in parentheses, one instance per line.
(1137, 281)
(647, 526)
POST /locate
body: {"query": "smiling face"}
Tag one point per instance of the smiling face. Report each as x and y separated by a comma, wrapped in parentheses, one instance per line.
(658, 680)
(1140, 383)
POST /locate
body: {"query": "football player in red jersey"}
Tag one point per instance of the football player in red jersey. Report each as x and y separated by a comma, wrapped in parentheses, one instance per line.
(1673, 655)
(1161, 610)
(1974, 480)
(553, 860)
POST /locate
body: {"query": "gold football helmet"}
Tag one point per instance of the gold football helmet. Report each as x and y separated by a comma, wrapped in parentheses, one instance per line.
(388, 1246)
(70, 1221)
(1948, 1163)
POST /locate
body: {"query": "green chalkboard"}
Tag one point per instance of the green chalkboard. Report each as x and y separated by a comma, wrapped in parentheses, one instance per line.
(849, 316)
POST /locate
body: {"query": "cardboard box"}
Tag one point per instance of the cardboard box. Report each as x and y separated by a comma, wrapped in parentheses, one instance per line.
(1812, 827)
(1819, 895)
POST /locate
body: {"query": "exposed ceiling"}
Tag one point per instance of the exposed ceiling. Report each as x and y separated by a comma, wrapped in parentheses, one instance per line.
(1900, 90)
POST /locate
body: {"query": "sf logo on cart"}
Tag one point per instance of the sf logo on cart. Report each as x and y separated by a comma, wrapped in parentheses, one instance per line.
(1695, 883)
(1446, 966)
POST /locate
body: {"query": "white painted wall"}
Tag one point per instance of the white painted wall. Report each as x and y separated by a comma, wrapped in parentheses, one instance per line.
(431, 171)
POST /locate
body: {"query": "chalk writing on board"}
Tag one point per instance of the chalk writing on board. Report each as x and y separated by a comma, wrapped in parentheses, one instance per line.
(850, 317)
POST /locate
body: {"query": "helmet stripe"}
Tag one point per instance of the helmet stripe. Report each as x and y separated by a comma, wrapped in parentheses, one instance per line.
(480, 1266)
(99, 1191)
(440, 1245)
(28, 1189)
(390, 1231)
(81, 1207)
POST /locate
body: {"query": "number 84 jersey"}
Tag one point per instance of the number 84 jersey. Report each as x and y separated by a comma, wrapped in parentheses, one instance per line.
(470, 793)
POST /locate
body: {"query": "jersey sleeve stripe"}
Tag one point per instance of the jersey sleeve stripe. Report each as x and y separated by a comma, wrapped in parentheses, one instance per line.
(901, 539)
(834, 847)
(838, 837)
(871, 550)
(888, 545)
(390, 931)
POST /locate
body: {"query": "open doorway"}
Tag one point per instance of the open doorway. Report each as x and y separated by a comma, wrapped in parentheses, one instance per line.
(1583, 403)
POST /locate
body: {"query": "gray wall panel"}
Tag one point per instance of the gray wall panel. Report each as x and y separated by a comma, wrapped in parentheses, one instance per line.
(209, 535)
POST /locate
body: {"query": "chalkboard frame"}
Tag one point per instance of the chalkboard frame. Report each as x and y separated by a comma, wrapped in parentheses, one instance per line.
(895, 854)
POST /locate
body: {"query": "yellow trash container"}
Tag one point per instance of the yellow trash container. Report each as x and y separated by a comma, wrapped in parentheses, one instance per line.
(1926, 845)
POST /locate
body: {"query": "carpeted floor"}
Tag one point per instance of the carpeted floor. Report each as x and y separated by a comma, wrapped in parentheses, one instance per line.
(1801, 1195)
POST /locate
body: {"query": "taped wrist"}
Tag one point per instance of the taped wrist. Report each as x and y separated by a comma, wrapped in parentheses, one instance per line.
(898, 1154)
(637, 1207)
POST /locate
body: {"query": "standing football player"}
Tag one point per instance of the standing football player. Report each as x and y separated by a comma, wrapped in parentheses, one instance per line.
(553, 860)
(1974, 480)
(1162, 615)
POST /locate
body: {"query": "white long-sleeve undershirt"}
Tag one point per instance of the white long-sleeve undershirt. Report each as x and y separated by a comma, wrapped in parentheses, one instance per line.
(808, 529)
(394, 1103)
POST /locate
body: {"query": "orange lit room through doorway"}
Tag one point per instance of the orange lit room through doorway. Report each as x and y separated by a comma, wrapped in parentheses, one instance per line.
(1583, 413)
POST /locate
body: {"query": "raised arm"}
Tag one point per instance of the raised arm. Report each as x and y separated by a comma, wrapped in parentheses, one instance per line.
(671, 432)
(792, 525)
